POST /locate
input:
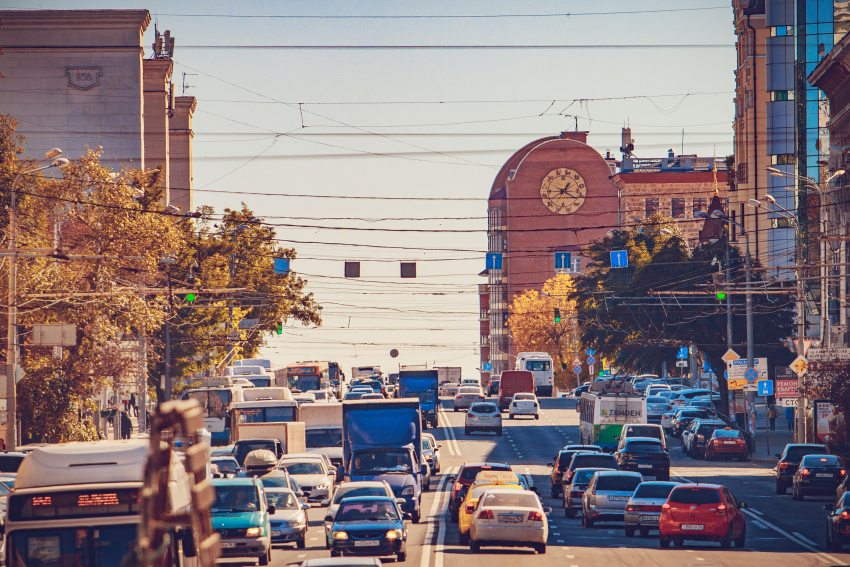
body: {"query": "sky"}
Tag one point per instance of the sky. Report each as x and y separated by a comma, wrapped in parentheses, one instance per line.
(394, 151)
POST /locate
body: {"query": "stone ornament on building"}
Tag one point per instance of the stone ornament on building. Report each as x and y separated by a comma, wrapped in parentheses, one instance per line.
(83, 78)
(563, 191)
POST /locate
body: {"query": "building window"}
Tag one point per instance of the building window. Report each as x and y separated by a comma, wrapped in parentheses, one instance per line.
(781, 95)
(783, 159)
(651, 206)
(742, 173)
(700, 204)
(677, 207)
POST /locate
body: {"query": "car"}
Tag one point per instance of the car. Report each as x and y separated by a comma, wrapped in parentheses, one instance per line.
(645, 455)
(606, 495)
(466, 396)
(726, 443)
(11, 460)
(656, 389)
(524, 404)
(838, 523)
(483, 482)
(222, 451)
(789, 460)
(667, 420)
(576, 393)
(643, 509)
(817, 474)
(288, 522)
(656, 407)
(641, 430)
(228, 466)
(464, 478)
(431, 451)
(240, 515)
(574, 491)
(351, 490)
(560, 463)
(703, 512)
(325, 396)
(682, 418)
(493, 388)
(683, 397)
(351, 395)
(311, 474)
(449, 389)
(373, 396)
(585, 460)
(369, 525)
(585, 448)
(343, 562)
(508, 517)
(700, 430)
(483, 417)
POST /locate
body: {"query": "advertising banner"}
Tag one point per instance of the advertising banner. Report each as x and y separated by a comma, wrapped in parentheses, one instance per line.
(826, 420)
(786, 388)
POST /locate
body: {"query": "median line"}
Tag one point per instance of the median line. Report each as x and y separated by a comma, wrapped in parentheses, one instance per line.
(436, 511)
(450, 435)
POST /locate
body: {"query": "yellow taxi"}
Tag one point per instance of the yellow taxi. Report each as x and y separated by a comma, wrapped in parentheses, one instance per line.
(483, 481)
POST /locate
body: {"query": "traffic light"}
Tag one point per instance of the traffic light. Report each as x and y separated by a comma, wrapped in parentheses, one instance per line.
(721, 296)
(557, 315)
(279, 328)
(190, 297)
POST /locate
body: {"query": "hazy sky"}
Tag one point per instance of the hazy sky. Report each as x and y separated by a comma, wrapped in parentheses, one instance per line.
(310, 121)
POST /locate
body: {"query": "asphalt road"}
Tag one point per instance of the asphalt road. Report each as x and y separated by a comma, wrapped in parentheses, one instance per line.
(780, 531)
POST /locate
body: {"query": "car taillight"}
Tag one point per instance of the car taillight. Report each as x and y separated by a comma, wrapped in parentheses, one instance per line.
(843, 472)
(721, 510)
(481, 396)
(716, 442)
(575, 494)
(700, 438)
(535, 517)
(844, 515)
(486, 515)
(514, 404)
(631, 508)
(805, 472)
(783, 465)
(458, 487)
(665, 506)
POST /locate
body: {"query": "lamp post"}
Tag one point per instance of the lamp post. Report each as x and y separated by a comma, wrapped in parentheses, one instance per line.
(729, 342)
(12, 338)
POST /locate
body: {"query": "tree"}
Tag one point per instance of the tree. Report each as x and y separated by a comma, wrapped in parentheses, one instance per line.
(534, 329)
(622, 315)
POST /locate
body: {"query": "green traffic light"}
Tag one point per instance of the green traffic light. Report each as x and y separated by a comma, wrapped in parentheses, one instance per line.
(190, 297)
(721, 296)
(280, 329)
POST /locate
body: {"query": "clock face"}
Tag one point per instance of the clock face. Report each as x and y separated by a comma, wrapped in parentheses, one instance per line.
(563, 191)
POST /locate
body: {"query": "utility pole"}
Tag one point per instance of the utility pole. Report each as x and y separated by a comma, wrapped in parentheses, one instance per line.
(801, 337)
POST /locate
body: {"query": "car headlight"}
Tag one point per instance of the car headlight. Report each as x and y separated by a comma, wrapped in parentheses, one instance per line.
(408, 491)
(321, 487)
(293, 523)
(254, 532)
(395, 534)
(340, 535)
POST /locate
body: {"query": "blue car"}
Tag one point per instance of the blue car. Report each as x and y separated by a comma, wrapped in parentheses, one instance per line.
(369, 525)
(240, 515)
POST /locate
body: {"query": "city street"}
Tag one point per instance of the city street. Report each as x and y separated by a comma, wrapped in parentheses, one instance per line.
(780, 531)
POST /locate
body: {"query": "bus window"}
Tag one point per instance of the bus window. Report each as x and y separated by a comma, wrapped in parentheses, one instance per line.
(285, 413)
(214, 402)
(538, 365)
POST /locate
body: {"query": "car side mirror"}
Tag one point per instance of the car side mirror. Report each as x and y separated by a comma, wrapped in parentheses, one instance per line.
(829, 507)
(325, 503)
(332, 470)
(439, 445)
(535, 490)
(547, 510)
(470, 508)
(271, 509)
(616, 438)
(550, 465)
(400, 501)
(451, 478)
(306, 506)
(423, 470)
(778, 456)
(742, 505)
(329, 518)
(407, 516)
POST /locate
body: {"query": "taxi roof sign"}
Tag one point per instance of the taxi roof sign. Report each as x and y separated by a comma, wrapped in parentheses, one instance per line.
(497, 477)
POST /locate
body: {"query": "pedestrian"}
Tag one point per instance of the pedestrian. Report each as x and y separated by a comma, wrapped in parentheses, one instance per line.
(133, 407)
(789, 415)
(771, 415)
(2, 444)
(126, 425)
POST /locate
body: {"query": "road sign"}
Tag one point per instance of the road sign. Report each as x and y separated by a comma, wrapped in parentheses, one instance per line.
(619, 259)
(577, 369)
(786, 388)
(682, 363)
(750, 387)
(827, 354)
(590, 352)
(563, 261)
(682, 352)
(751, 374)
(730, 355)
(590, 369)
(800, 365)
(494, 261)
(737, 369)
(488, 367)
(765, 388)
(576, 362)
(591, 361)
(788, 402)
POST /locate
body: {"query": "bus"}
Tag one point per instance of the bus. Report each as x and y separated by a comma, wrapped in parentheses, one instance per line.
(306, 376)
(262, 405)
(80, 504)
(216, 398)
(602, 417)
(540, 365)
(365, 372)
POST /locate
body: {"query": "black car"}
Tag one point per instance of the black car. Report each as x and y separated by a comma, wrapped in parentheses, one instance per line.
(369, 525)
(645, 455)
(789, 460)
(838, 524)
(683, 419)
(465, 477)
(559, 466)
(817, 474)
(585, 460)
(702, 434)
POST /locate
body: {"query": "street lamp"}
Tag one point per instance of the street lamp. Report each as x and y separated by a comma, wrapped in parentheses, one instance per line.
(11, 340)
(668, 232)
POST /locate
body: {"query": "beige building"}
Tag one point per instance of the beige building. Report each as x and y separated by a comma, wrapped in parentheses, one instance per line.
(77, 79)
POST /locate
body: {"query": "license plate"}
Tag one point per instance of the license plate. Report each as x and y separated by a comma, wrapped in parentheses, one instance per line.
(644, 466)
(693, 527)
(367, 543)
(730, 442)
(649, 518)
(510, 519)
(618, 499)
(276, 533)
(226, 544)
(823, 475)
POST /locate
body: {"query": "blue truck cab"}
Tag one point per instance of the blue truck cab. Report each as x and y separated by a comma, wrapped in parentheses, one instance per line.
(240, 515)
(382, 441)
(424, 386)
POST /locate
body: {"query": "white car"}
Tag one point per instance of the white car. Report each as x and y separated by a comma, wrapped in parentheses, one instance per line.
(509, 518)
(311, 474)
(524, 404)
(322, 396)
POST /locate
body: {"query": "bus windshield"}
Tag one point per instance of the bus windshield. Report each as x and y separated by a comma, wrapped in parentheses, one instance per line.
(97, 546)
(538, 365)
(267, 414)
(213, 402)
(304, 383)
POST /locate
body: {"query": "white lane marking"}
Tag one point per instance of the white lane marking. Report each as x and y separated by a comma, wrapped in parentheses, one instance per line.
(804, 538)
(527, 476)
(560, 541)
(759, 524)
(571, 556)
(302, 555)
(755, 511)
(313, 538)
(450, 435)
(436, 509)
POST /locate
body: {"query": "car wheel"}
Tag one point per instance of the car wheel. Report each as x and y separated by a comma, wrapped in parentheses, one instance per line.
(679, 542)
(537, 417)
(499, 432)
(454, 517)
(588, 521)
(630, 531)
(301, 542)
(455, 408)
(569, 513)
(664, 477)
(401, 556)
(742, 540)
(800, 495)
(726, 541)
(833, 541)
(475, 547)
(466, 431)
(554, 492)
(267, 558)
(334, 553)
(541, 548)
(426, 486)
(644, 532)
(781, 488)
(510, 416)
(664, 542)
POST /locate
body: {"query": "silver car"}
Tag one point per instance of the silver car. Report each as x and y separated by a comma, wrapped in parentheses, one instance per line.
(483, 417)
(312, 475)
(574, 491)
(509, 518)
(431, 451)
(644, 507)
(288, 524)
(468, 395)
(607, 495)
(656, 407)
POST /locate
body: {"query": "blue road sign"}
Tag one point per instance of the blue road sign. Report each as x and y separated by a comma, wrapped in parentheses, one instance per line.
(751, 374)
(488, 367)
(766, 388)
(577, 369)
(682, 353)
(494, 261)
(619, 259)
(590, 352)
(606, 372)
(705, 366)
(563, 261)
(591, 361)
(281, 265)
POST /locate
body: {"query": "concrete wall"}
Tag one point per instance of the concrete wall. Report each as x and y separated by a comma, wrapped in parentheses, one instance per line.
(180, 136)
(157, 77)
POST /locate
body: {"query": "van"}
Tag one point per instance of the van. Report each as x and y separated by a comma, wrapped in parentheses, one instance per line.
(514, 382)
(642, 430)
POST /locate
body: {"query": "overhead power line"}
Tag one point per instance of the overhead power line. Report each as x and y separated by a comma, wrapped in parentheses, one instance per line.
(468, 47)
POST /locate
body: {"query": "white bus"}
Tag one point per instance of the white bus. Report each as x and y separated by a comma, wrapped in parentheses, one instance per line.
(78, 504)
(540, 365)
(603, 415)
(215, 399)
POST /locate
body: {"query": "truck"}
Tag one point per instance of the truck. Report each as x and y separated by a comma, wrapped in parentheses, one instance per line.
(540, 365)
(323, 430)
(365, 372)
(514, 382)
(421, 384)
(280, 438)
(382, 441)
(449, 374)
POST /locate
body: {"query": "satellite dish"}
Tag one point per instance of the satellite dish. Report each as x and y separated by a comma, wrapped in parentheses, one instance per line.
(394, 353)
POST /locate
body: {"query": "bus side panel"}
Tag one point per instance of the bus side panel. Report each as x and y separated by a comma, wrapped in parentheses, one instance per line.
(607, 435)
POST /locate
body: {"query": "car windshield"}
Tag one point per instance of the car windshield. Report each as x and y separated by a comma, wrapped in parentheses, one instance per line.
(584, 476)
(643, 431)
(353, 395)
(484, 408)
(796, 453)
(374, 511)
(617, 483)
(469, 473)
(354, 491)
(594, 460)
(227, 465)
(644, 447)
(330, 437)
(236, 498)
(524, 397)
(243, 448)
(302, 468)
(695, 496)
(820, 461)
(469, 390)
(426, 444)
(282, 500)
(104, 546)
(564, 459)
(708, 429)
(271, 480)
(650, 490)
(386, 460)
(728, 433)
(512, 499)
(10, 463)
(656, 400)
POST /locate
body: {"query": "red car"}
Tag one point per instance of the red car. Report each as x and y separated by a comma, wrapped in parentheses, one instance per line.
(726, 444)
(704, 512)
